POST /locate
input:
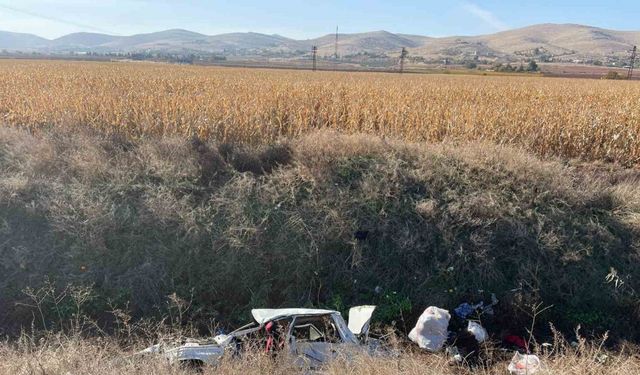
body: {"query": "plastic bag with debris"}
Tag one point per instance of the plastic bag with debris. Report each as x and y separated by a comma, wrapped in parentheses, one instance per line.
(478, 331)
(524, 364)
(430, 332)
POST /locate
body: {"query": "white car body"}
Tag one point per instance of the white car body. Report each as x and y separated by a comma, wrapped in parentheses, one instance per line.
(312, 336)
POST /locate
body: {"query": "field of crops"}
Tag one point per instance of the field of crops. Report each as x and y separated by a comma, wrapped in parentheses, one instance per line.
(588, 119)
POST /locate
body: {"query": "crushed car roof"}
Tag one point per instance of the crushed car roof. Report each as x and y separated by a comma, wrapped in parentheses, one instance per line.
(263, 316)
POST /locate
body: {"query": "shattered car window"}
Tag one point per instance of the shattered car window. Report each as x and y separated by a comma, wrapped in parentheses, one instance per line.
(316, 329)
(270, 337)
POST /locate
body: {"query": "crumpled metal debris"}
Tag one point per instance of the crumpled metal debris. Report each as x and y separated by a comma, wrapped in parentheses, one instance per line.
(314, 338)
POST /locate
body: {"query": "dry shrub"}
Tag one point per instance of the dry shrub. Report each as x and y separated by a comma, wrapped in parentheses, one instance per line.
(169, 159)
(262, 160)
(627, 197)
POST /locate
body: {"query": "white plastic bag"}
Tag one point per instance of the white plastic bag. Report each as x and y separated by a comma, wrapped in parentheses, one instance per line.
(478, 331)
(524, 364)
(431, 330)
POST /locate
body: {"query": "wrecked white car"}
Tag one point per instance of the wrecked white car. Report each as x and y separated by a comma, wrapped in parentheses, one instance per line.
(310, 336)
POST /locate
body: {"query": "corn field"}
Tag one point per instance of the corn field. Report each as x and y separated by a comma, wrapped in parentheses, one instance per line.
(586, 119)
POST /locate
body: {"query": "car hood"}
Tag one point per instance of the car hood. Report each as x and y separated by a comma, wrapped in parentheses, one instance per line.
(263, 316)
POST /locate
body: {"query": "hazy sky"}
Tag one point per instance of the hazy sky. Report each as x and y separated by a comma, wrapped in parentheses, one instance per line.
(310, 18)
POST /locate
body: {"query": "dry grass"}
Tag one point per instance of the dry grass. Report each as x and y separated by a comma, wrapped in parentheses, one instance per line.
(275, 226)
(593, 120)
(59, 355)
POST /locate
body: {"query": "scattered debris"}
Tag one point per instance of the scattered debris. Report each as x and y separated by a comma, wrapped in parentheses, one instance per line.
(574, 344)
(602, 359)
(466, 345)
(478, 331)
(361, 235)
(430, 332)
(455, 355)
(516, 342)
(466, 310)
(524, 364)
(314, 337)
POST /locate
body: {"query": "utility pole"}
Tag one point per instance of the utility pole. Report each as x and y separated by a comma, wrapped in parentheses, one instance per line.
(632, 62)
(314, 52)
(403, 56)
(335, 55)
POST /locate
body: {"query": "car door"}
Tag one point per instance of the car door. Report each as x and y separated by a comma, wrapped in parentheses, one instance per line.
(314, 340)
(360, 319)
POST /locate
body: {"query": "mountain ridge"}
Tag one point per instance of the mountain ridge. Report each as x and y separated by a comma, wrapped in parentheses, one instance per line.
(570, 41)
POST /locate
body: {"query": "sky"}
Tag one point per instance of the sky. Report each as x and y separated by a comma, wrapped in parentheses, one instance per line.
(303, 19)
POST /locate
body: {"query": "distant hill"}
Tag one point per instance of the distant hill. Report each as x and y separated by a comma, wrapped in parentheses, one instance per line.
(374, 42)
(82, 40)
(17, 41)
(174, 40)
(253, 41)
(549, 41)
(567, 40)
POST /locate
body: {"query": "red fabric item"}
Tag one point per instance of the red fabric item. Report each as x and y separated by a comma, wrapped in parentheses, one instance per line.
(268, 328)
(269, 344)
(516, 341)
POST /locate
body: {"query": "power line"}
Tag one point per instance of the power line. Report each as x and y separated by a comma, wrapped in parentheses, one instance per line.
(54, 19)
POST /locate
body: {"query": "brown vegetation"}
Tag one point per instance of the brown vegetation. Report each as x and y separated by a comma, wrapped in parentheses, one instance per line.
(59, 355)
(592, 120)
(135, 182)
(323, 220)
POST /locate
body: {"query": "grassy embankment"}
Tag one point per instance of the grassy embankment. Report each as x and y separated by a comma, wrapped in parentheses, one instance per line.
(323, 220)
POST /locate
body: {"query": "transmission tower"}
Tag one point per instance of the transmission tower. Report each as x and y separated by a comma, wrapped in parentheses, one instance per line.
(314, 52)
(632, 62)
(403, 56)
